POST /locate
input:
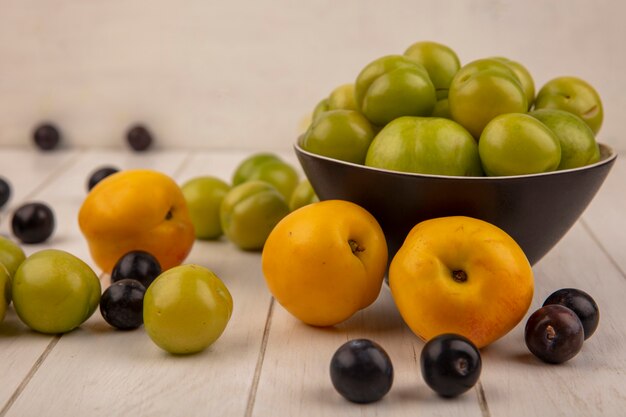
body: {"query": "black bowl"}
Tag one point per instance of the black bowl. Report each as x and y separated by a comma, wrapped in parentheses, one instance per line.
(536, 210)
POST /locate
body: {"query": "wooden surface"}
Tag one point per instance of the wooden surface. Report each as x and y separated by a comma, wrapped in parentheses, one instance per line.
(269, 364)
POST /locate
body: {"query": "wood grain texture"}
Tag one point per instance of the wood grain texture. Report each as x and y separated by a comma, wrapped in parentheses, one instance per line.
(269, 363)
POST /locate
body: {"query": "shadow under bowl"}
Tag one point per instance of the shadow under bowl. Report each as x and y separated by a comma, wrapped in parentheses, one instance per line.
(536, 210)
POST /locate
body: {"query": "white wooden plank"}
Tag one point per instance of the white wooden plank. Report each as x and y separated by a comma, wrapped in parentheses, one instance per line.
(104, 365)
(590, 384)
(295, 378)
(605, 214)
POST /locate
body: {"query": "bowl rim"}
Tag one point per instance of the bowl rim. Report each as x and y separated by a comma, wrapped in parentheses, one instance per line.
(607, 155)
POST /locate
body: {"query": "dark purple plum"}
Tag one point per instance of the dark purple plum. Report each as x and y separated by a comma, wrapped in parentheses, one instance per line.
(361, 371)
(5, 192)
(46, 136)
(450, 364)
(554, 334)
(121, 305)
(139, 138)
(100, 174)
(33, 222)
(139, 265)
(580, 303)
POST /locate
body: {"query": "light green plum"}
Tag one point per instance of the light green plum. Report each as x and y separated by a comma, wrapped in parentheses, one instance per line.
(574, 95)
(303, 195)
(524, 76)
(250, 211)
(244, 170)
(54, 291)
(482, 90)
(186, 309)
(5, 291)
(11, 255)
(204, 196)
(518, 144)
(578, 143)
(394, 86)
(342, 98)
(425, 145)
(280, 174)
(441, 62)
(340, 134)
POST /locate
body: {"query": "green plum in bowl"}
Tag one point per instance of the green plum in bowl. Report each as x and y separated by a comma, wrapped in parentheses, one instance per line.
(537, 210)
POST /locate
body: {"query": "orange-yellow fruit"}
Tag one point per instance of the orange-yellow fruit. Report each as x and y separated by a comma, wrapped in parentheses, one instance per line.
(136, 210)
(325, 261)
(461, 275)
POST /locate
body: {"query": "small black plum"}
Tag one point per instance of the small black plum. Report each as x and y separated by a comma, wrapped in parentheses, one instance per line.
(361, 371)
(33, 222)
(580, 303)
(139, 265)
(46, 136)
(5, 192)
(121, 304)
(139, 138)
(554, 334)
(450, 364)
(100, 174)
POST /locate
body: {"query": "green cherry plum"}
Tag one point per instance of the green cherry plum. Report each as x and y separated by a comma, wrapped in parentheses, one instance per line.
(204, 196)
(54, 291)
(524, 76)
(186, 309)
(578, 143)
(425, 145)
(482, 90)
(342, 98)
(303, 195)
(394, 86)
(574, 95)
(339, 134)
(441, 62)
(518, 144)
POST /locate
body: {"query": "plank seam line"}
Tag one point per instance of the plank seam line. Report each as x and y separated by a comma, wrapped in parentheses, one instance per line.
(183, 164)
(259, 364)
(482, 400)
(602, 247)
(53, 176)
(30, 375)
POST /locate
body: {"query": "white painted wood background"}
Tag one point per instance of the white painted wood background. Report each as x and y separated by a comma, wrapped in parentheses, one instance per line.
(269, 364)
(241, 74)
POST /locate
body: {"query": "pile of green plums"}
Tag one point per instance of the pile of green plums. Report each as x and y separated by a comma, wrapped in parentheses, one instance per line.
(424, 112)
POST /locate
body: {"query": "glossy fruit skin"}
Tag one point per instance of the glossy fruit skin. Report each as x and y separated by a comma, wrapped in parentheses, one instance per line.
(5, 192)
(574, 95)
(581, 303)
(246, 168)
(461, 275)
(279, 174)
(204, 196)
(425, 145)
(138, 265)
(249, 212)
(121, 304)
(139, 138)
(54, 291)
(518, 144)
(578, 143)
(524, 77)
(11, 255)
(342, 98)
(46, 136)
(325, 261)
(340, 134)
(303, 194)
(186, 309)
(116, 218)
(441, 62)
(554, 334)
(5, 291)
(361, 371)
(482, 90)
(100, 174)
(394, 86)
(33, 222)
(319, 109)
(450, 364)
